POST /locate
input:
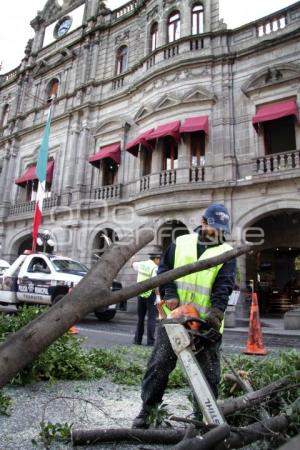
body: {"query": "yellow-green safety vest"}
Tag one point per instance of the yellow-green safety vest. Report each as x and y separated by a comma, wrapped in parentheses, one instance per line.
(145, 272)
(196, 287)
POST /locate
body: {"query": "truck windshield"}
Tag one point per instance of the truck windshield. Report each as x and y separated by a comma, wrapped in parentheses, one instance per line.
(69, 266)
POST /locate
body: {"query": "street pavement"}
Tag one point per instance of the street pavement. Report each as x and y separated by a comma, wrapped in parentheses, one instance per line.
(120, 331)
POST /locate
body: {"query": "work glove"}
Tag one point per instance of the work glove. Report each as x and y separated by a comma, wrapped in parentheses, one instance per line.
(214, 318)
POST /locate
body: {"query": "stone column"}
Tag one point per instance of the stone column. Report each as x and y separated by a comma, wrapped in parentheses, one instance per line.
(185, 22)
(215, 15)
(3, 175)
(70, 162)
(92, 8)
(11, 170)
(81, 159)
(85, 61)
(38, 25)
(94, 53)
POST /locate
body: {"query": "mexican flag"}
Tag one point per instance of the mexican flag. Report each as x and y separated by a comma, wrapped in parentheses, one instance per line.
(41, 171)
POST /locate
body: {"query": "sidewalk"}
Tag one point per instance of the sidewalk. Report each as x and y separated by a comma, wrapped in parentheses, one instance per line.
(270, 326)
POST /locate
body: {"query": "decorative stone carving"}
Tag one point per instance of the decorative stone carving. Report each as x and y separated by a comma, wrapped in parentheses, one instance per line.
(37, 22)
(167, 3)
(152, 13)
(199, 94)
(122, 37)
(167, 101)
(44, 65)
(103, 10)
(28, 47)
(52, 10)
(271, 76)
(142, 113)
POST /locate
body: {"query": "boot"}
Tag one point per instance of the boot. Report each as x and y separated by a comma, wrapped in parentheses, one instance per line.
(142, 419)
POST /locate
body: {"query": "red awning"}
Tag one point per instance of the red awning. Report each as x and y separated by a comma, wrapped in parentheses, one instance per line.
(112, 151)
(168, 129)
(275, 111)
(133, 146)
(30, 175)
(193, 124)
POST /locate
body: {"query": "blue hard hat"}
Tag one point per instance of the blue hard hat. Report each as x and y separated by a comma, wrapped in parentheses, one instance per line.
(217, 216)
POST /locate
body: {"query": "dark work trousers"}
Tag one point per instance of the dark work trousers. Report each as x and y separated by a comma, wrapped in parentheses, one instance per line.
(163, 361)
(146, 306)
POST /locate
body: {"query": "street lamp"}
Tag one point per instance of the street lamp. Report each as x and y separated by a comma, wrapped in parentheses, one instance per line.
(44, 239)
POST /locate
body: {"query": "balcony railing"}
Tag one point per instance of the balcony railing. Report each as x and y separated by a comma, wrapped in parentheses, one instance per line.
(277, 162)
(172, 50)
(28, 207)
(125, 9)
(197, 174)
(145, 183)
(118, 83)
(167, 178)
(107, 192)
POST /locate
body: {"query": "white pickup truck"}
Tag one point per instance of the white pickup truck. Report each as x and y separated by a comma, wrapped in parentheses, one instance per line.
(39, 278)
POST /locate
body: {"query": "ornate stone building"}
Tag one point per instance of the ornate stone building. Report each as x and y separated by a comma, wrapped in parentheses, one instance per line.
(158, 110)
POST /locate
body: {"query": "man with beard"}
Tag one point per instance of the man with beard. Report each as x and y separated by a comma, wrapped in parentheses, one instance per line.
(207, 291)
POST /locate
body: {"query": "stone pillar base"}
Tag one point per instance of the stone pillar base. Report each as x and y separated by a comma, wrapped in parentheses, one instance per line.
(292, 319)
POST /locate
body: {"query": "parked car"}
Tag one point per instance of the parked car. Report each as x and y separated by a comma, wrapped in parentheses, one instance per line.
(39, 278)
(3, 266)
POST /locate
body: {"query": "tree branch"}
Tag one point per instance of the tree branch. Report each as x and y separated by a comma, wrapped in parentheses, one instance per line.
(232, 405)
(166, 277)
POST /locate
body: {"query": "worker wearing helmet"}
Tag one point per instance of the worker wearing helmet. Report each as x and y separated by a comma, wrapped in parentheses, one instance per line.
(146, 300)
(207, 291)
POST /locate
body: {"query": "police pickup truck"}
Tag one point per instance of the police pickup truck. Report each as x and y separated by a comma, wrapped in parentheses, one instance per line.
(43, 279)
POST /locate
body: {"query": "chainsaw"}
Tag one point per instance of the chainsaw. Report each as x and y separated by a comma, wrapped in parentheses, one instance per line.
(182, 340)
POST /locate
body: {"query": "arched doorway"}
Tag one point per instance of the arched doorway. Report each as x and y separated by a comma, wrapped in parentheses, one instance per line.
(102, 241)
(169, 231)
(275, 266)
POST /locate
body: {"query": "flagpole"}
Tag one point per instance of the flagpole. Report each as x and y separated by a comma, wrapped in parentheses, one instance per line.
(41, 174)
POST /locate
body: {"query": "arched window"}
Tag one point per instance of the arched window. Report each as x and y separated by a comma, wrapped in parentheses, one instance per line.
(174, 26)
(198, 19)
(153, 37)
(5, 113)
(52, 89)
(122, 60)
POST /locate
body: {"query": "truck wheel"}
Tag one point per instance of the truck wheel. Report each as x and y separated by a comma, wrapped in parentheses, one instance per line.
(57, 298)
(105, 316)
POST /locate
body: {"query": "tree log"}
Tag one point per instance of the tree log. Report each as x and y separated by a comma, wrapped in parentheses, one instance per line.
(245, 435)
(93, 291)
(153, 436)
(232, 405)
(254, 432)
(206, 442)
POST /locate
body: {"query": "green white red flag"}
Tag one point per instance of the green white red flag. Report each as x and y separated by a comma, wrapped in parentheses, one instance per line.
(41, 173)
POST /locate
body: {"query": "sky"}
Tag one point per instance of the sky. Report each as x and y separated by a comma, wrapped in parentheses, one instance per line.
(16, 15)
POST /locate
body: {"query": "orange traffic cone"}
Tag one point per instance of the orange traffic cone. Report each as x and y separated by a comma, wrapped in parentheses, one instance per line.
(255, 344)
(73, 330)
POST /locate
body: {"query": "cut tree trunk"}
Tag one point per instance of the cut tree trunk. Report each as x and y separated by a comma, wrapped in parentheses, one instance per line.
(93, 291)
(245, 435)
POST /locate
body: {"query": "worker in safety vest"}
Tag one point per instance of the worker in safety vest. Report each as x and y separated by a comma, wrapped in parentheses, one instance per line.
(207, 290)
(147, 300)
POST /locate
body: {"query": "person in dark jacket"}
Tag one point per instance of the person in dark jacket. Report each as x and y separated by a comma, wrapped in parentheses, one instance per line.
(207, 290)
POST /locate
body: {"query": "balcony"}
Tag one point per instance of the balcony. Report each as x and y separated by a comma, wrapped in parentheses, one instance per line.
(111, 192)
(170, 178)
(277, 162)
(25, 208)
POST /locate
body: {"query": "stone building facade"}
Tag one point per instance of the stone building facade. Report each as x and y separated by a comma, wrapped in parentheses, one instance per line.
(157, 110)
